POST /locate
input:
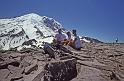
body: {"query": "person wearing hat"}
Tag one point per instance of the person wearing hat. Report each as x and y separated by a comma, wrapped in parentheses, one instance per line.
(76, 41)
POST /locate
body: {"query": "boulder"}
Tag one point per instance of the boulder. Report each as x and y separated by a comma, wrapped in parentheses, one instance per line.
(3, 74)
(14, 55)
(31, 68)
(36, 75)
(28, 59)
(24, 64)
(63, 70)
(5, 63)
(15, 70)
(13, 77)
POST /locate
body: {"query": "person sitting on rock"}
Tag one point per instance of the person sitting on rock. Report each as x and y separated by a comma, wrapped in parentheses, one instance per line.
(68, 40)
(76, 41)
(59, 38)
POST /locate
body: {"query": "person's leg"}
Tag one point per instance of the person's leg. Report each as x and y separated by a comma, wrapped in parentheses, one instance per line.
(72, 44)
(66, 43)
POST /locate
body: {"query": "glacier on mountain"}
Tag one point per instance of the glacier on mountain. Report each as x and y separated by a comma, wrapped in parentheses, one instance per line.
(15, 31)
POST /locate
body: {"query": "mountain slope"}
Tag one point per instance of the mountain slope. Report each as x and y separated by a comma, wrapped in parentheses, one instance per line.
(90, 40)
(15, 31)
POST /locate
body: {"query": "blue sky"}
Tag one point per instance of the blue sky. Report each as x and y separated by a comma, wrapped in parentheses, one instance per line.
(101, 19)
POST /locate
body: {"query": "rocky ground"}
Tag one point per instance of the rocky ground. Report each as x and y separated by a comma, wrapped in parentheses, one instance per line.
(95, 62)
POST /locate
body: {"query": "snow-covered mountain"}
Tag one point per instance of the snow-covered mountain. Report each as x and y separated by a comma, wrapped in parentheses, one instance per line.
(30, 29)
(16, 31)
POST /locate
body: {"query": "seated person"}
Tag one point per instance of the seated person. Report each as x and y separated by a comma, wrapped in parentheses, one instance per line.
(59, 38)
(76, 41)
(69, 40)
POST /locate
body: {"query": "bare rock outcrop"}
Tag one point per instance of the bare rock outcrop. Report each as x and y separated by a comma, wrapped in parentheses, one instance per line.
(63, 70)
(94, 62)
